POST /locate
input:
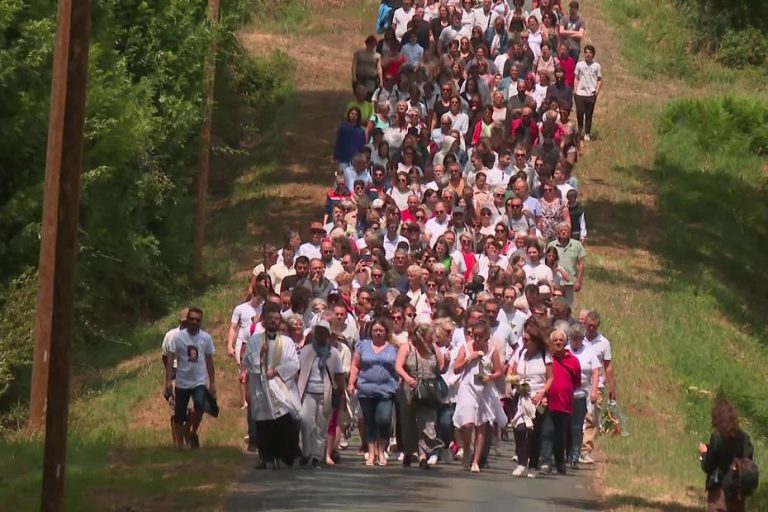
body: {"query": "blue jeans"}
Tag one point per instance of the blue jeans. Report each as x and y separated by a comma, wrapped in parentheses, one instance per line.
(577, 426)
(445, 423)
(553, 437)
(377, 417)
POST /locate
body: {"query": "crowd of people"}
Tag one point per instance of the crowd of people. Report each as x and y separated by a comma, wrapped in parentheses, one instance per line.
(430, 306)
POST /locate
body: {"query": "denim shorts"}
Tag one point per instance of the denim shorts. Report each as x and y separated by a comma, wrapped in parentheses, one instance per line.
(182, 399)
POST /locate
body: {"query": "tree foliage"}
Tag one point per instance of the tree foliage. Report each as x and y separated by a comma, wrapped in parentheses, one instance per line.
(737, 30)
(143, 117)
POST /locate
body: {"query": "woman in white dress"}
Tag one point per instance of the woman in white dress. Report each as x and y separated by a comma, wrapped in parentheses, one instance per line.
(478, 402)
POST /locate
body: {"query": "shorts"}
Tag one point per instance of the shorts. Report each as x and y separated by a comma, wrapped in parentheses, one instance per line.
(182, 399)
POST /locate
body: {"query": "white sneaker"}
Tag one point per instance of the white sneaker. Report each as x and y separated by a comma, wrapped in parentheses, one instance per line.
(365, 456)
(586, 458)
(475, 468)
(519, 471)
(531, 474)
(432, 460)
(460, 454)
(587, 137)
(400, 457)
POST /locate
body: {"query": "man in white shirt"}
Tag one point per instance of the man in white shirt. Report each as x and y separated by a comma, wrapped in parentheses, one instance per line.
(602, 348)
(332, 266)
(586, 88)
(501, 173)
(401, 18)
(311, 248)
(243, 317)
(484, 15)
(437, 225)
(193, 350)
(392, 238)
(283, 269)
(449, 33)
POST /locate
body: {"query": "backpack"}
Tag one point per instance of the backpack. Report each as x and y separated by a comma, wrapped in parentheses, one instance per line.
(743, 475)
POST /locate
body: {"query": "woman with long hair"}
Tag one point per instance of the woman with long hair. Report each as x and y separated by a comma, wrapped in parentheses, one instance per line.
(726, 443)
(417, 364)
(350, 138)
(374, 379)
(532, 373)
(477, 403)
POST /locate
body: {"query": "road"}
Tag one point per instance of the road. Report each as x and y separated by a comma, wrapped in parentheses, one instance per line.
(446, 488)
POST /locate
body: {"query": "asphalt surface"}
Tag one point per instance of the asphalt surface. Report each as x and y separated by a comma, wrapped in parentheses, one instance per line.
(350, 486)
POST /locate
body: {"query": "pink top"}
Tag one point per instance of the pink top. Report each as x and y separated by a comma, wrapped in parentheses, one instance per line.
(566, 379)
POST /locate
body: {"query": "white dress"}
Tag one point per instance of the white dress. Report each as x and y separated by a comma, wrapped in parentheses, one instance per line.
(478, 403)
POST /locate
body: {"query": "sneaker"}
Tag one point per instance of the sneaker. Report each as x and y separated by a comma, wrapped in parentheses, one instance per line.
(432, 460)
(574, 464)
(474, 468)
(423, 463)
(315, 463)
(460, 454)
(194, 441)
(546, 469)
(586, 458)
(514, 458)
(531, 474)
(519, 471)
(401, 457)
(587, 137)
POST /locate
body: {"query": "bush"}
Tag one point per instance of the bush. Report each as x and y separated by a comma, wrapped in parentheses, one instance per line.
(142, 129)
(741, 48)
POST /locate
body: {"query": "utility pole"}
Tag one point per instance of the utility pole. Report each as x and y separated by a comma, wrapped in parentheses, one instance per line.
(58, 247)
(205, 143)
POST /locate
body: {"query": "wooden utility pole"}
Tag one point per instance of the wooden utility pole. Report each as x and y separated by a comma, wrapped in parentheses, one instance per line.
(205, 143)
(58, 248)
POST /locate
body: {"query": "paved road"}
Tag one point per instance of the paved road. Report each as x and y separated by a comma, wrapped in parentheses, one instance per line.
(351, 486)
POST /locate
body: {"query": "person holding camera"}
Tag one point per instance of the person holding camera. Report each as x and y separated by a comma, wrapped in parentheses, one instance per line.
(728, 461)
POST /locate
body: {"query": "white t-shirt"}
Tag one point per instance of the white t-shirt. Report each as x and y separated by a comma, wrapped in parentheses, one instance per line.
(516, 319)
(167, 339)
(390, 246)
(602, 348)
(533, 371)
(435, 230)
(309, 250)
(536, 273)
(190, 352)
(588, 361)
(504, 332)
(400, 20)
(588, 75)
(243, 315)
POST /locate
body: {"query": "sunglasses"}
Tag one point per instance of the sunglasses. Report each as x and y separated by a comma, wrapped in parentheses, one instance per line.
(486, 214)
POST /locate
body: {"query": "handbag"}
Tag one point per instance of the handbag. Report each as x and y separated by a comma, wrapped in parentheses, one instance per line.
(426, 392)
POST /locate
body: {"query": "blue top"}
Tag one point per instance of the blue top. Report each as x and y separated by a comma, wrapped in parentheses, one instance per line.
(377, 377)
(349, 141)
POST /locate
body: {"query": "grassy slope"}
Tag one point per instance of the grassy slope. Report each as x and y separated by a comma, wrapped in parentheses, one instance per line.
(676, 281)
